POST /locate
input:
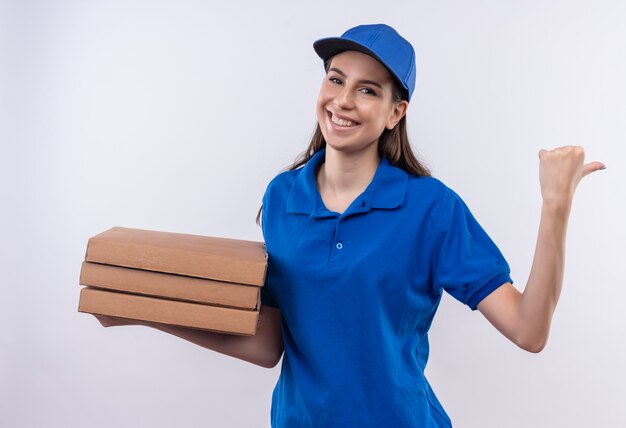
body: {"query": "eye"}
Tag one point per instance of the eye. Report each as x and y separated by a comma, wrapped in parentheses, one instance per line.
(369, 91)
(334, 80)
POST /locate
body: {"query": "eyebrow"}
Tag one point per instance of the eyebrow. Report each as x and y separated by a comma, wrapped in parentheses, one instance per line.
(371, 82)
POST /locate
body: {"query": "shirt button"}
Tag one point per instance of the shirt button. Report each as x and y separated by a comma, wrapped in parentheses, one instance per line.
(362, 204)
(339, 245)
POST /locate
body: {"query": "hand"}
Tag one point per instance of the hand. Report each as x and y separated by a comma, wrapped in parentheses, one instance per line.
(112, 321)
(560, 171)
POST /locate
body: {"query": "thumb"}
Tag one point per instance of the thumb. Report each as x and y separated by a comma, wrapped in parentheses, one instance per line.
(590, 167)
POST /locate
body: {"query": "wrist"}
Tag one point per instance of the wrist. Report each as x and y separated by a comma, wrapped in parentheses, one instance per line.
(558, 204)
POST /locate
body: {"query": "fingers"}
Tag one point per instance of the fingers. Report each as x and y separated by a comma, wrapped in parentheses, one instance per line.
(590, 167)
(102, 319)
(112, 321)
(560, 171)
(563, 151)
(577, 151)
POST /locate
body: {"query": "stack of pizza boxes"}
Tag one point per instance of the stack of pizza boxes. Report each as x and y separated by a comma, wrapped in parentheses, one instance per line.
(201, 282)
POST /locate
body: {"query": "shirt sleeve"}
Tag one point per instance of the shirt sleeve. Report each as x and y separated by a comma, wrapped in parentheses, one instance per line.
(468, 264)
(266, 294)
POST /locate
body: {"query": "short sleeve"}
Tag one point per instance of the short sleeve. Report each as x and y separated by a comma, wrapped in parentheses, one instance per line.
(468, 264)
(266, 294)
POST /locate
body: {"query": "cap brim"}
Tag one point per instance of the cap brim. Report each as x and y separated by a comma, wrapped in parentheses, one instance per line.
(330, 46)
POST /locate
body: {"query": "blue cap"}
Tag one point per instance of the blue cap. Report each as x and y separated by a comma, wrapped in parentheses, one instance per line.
(379, 41)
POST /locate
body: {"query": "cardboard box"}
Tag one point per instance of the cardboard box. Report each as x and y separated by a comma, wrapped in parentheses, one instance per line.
(186, 314)
(176, 287)
(221, 259)
(194, 281)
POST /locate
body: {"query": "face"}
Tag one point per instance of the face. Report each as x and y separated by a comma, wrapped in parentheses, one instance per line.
(355, 102)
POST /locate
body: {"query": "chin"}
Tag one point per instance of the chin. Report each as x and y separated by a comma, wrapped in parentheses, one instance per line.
(350, 147)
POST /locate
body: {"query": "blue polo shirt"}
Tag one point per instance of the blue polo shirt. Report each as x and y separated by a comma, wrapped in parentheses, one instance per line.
(358, 292)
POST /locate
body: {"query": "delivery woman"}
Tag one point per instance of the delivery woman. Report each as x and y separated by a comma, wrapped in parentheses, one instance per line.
(362, 242)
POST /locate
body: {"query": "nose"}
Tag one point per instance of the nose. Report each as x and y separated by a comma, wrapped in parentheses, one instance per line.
(344, 99)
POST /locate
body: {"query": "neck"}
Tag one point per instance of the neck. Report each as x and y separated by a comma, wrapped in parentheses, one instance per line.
(346, 173)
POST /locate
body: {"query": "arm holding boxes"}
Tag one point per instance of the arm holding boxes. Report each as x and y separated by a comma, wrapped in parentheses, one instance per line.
(264, 349)
(203, 289)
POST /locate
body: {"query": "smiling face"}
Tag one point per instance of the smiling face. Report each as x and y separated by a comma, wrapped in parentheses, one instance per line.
(355, 102)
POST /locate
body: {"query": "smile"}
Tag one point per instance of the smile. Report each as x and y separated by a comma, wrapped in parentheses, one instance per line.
(344, 123)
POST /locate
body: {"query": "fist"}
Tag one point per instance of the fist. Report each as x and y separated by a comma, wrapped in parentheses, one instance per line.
(560, 171)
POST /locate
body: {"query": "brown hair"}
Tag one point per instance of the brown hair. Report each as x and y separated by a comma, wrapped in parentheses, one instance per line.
(392, 144)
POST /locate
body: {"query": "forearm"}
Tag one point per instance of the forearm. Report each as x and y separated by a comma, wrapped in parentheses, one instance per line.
(263, 349)
(539, 299)
(241, 347)
(525, 318)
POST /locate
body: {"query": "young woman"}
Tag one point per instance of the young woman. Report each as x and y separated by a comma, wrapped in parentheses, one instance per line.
(362, 241)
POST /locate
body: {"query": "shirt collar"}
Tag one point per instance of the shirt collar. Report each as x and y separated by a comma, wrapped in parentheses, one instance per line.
(386, 190)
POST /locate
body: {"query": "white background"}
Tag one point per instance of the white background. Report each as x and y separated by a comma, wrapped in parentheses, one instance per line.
(174, 115)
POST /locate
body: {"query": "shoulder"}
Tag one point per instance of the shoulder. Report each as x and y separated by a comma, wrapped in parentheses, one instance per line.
(281, 183)
(431, 190)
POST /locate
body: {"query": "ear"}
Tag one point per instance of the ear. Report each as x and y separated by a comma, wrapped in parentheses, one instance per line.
(398, 111)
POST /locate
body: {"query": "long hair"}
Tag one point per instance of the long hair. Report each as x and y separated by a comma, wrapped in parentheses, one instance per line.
(392, 144)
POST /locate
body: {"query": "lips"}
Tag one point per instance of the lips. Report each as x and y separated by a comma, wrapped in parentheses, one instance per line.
(350, 123)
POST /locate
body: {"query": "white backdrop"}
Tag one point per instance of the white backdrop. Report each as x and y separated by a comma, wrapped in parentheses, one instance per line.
(174, 115)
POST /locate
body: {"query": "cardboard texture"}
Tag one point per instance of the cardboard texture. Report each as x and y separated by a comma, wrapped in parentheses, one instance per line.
(201, 282)
(170, 286)
(221, 259)
(186, 314)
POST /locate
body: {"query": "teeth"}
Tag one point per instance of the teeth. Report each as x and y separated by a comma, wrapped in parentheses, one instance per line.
(341, 122)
